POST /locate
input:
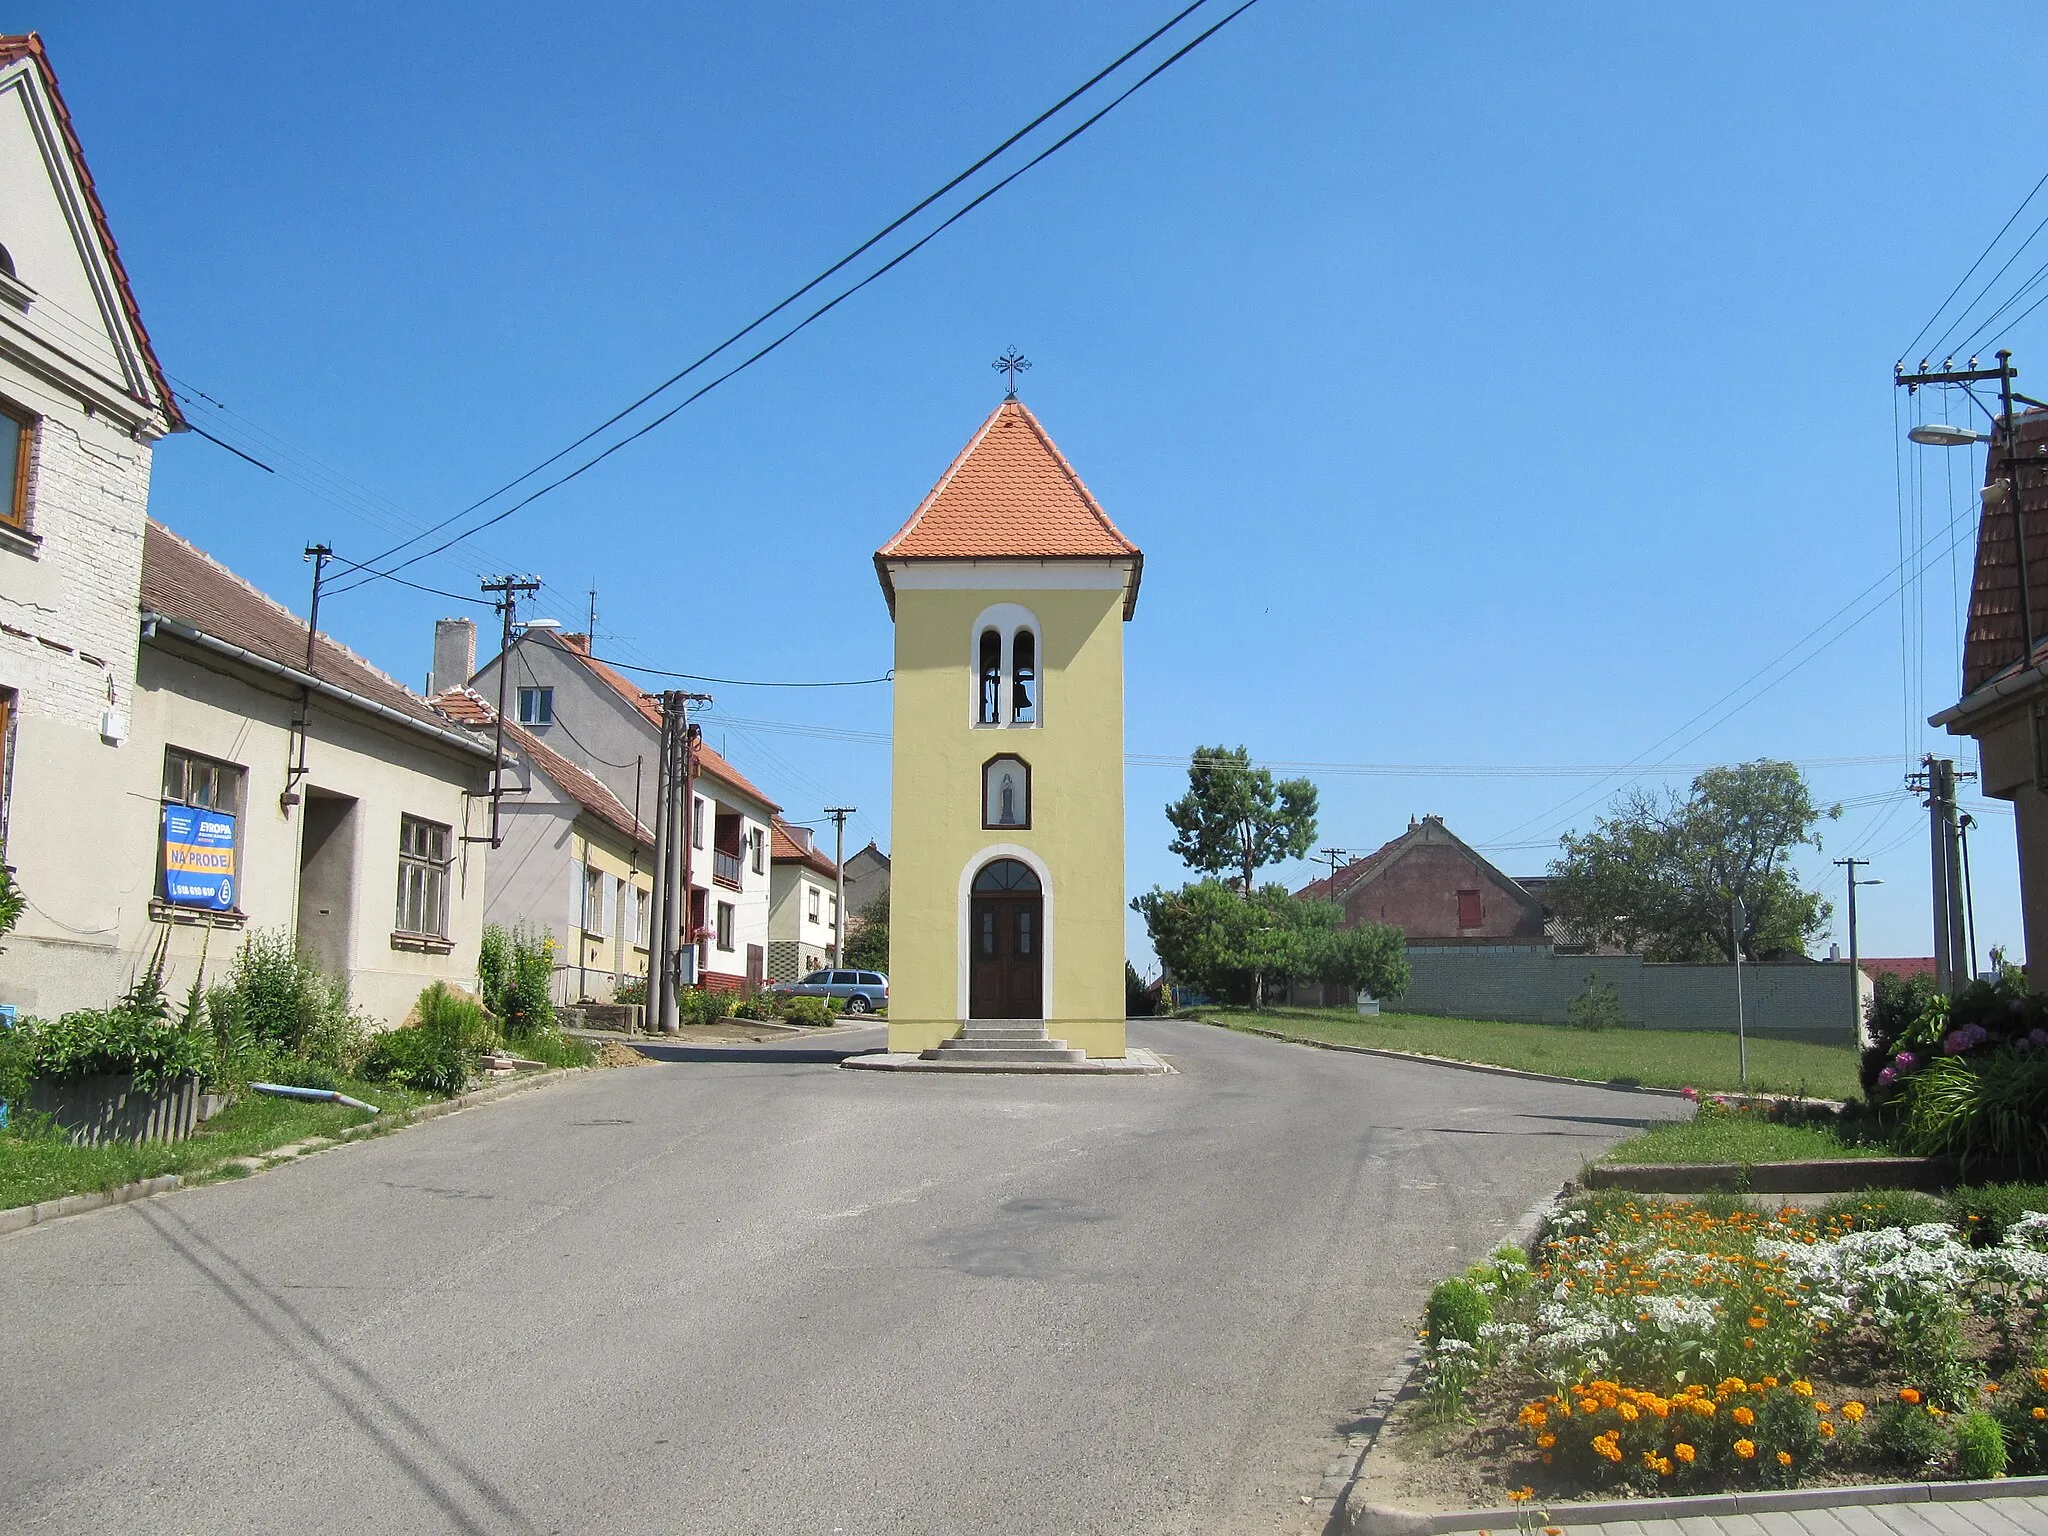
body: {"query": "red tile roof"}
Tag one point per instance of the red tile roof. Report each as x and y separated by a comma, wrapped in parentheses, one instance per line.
(181, 583)
(30, 46)
(1010, 494)
(465, 706)
(1908, 967)
(786, 848)
(649, 705)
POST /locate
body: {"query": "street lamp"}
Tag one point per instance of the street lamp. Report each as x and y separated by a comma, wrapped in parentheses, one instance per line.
(1939, 434)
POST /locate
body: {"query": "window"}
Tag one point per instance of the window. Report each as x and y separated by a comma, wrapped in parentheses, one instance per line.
(725, 925)
(1470, 914)
(845, 978)
(423, 864)
(536, 706)
(1005, 875)
(199, 848)
(596, 887)
(1024, 678)
(991, 671)
(190, 779)
(818, 979)
(759, 839)
(870, 979)
(639, 909)
(697, 824)
(817, 902)
(17, 437)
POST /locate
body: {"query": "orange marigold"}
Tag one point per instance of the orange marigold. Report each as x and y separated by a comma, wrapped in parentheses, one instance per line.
(2041, 1413)
(1545, 1442)
(1784, 1458)
(1684, 1452)
(1909, 1395)
(1745, 1449)
(1853, 1412)
(1827, 1429)
(1744, 1416)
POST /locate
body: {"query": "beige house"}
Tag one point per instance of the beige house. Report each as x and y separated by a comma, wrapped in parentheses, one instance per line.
(803, 903)
(263, 783)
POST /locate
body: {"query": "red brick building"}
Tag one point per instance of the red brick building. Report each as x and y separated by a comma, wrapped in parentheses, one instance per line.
(1436, 889)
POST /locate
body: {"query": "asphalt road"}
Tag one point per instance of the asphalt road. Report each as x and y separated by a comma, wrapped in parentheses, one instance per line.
(760, 1294)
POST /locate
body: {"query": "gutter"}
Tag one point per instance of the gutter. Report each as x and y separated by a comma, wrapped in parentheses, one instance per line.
(1992, 693)
(152, 623)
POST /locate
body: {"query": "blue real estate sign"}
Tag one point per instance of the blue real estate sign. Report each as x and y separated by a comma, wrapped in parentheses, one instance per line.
(199, 858)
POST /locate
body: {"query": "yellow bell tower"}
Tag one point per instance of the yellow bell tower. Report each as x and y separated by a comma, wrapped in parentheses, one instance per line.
(1010, 588)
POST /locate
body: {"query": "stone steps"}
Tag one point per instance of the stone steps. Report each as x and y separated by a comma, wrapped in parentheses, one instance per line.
(996, 1042)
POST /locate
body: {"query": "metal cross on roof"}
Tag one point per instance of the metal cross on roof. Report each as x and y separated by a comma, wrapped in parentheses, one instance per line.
(1010, 364)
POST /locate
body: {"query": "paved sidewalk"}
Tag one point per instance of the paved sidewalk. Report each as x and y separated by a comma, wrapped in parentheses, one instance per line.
(1970, 1517)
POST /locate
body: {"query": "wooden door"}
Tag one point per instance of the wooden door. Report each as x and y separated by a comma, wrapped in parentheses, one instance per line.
(1007, 942)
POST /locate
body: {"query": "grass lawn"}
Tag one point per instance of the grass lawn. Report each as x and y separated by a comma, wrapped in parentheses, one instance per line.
(1651, 1058)
(1736, 1139)
(44, 1167)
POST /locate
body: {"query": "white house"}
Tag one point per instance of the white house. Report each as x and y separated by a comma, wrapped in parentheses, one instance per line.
(583, 708)
(574, 862)
(803, 903)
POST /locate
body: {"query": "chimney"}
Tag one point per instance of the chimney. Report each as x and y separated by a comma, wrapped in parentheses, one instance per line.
(802, 837)
(454, 654)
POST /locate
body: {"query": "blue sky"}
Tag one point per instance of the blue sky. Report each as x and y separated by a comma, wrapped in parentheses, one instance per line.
(1488, 386)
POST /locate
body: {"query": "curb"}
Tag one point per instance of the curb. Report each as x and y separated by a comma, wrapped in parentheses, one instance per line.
(1383, 1520)
(1338, 1481)
(22, 1217)
(1444, 1061)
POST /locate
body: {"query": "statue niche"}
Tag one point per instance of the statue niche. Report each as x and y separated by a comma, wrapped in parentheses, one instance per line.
(1006, 794)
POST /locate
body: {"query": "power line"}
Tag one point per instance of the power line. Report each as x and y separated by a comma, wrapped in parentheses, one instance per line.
(453, 597)
(1908, 348)
(824, 309)
(741, 682)
(853, 255)
(1990, 283)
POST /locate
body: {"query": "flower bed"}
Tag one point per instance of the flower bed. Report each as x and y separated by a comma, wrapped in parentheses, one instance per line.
(1704, 1347)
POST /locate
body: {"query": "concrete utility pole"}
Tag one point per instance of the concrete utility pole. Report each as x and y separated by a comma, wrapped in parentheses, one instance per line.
(508, 590)
(1855, 958)
(671, 946)
(839, 813)
(1944, 838)
(1963, 825)
(1735, 919)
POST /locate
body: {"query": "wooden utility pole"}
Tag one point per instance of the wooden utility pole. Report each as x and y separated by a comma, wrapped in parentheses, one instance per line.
(508, 590)
(839, 813)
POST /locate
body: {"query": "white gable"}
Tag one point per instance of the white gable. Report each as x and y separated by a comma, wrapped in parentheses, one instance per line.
(75, 331)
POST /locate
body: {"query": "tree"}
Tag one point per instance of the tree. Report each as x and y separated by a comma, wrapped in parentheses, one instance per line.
(1662, 873)
(1235, 819)
(867, 947)
(1229, 946)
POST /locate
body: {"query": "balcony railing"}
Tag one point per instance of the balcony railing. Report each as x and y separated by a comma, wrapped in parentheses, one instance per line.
(725, 868)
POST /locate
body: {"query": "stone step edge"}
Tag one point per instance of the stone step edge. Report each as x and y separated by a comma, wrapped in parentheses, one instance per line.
(1384, 1520)
(21, 1217)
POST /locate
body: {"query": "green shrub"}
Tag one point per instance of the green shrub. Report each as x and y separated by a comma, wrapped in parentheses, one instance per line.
(280, 997)
(1506, 1270)
(448, 1013)
(806, 1010)
(1872, 1209)
(702, 1005)
(1981, 1110)
(1457, 1309)
(552, 1048)
(1598, 1007)
(419, 1058)
(13, 901)
(1912, 1433)
(1980, 1447)
(762, 1005)
(138, 1036)
(2026, 1437)
(1984, 1211)
(17, 1060)
(632, 993)
(515, 975)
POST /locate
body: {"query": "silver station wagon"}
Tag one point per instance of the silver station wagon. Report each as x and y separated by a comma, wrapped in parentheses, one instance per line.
(857, 991)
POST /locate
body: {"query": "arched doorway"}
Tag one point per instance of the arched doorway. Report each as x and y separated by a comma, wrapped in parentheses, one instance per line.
(1006, 943)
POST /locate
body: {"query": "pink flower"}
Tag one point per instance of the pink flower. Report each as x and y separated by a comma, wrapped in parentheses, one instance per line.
(1694, 1093)
(1887, 1077)
(1905, 1061)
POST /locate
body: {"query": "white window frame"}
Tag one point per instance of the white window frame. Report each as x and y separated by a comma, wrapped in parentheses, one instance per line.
(757, 841)
(697, 823)
(817, 903)
(424, 876)
(1008, 620)
(727, 919)
(534, 700)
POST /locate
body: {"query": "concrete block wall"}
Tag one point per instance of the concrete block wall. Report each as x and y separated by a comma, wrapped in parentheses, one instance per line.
(1797, 1000)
